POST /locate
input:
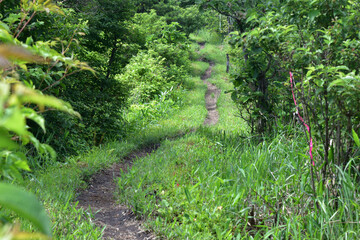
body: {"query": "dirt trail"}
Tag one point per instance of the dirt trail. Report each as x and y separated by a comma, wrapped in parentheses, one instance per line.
(201, 45)
(211, 96)
(119, 220)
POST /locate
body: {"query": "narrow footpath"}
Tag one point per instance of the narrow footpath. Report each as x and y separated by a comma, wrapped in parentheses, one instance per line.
(119, 221)
(211, 97)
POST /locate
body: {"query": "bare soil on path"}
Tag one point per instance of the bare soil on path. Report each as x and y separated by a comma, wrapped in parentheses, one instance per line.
(211, 96)
(119, 221)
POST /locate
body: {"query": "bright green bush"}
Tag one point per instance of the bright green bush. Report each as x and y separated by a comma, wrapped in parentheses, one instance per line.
(140, 115)
(144, 77)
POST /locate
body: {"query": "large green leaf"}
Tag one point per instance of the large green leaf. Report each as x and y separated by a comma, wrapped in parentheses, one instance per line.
(313, 14)
(31, 114)
(356, 138)
(14, 120)
(5, 140)
(25, 205)
(30, 96)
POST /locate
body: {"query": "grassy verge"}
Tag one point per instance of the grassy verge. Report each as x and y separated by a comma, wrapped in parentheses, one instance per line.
(217, 185)
(205, 185)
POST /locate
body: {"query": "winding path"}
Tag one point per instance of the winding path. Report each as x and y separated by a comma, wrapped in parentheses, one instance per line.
(118, 219)
(211, 96)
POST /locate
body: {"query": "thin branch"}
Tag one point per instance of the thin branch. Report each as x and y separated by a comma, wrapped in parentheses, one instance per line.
(62, 78)
(28, 21)
(21, 21)
(56, 82)
(71, 40)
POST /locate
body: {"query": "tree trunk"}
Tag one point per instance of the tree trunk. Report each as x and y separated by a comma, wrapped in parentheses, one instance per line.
(227, 63)
(111, 59)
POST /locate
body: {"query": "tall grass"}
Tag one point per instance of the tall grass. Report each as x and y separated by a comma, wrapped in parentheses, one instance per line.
(211, 186)
(217, 183)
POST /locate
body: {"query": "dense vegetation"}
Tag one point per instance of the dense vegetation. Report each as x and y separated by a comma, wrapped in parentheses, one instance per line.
(111, 76)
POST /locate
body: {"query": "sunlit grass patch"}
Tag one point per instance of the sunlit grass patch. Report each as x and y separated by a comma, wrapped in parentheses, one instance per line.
(207, 36)
(206, 184)
(199, 68)
(213, 53)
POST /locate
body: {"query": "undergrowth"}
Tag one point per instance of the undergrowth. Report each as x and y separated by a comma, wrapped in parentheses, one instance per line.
(211, 186)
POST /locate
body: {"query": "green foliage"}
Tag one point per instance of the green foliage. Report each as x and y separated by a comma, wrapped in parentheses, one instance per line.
(94, 32)
(144, 77)
(15, 100)
(108, 45)
(217, 185)
(141, 115)
(189, 18)
(207, 186)
(147, 26)
(317, 42)
(186, 13)
(25, 205)
(162, 66)
(58, 183)
(57, 46)
(204, 35)
(21, 105)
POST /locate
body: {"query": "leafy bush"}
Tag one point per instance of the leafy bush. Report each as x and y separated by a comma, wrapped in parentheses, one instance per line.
(140, 115)
(144, 77)
(316, 40)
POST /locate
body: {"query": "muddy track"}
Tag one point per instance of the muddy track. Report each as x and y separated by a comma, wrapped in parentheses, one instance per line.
(119, 221)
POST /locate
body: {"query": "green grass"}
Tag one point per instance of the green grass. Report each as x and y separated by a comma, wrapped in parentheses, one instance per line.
(199, 187)
(212, 186)
(210, 182)
(56, 185)
(199, 67)
(215, 183)
(207, 36)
